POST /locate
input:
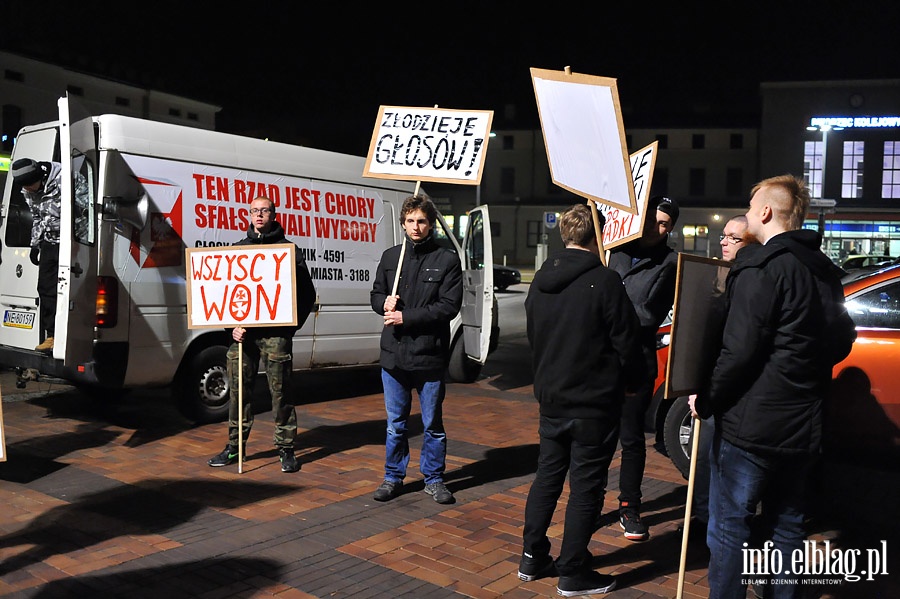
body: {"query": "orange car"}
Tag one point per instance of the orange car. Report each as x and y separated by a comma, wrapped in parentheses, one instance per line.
(862, 413)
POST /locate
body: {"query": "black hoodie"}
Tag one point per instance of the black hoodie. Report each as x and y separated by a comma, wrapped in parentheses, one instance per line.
(583, 332)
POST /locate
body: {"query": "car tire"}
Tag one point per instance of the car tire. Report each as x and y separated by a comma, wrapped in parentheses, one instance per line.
(203, 389)
(462, 369)
(677, 435)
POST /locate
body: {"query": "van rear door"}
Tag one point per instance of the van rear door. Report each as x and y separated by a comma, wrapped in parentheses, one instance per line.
(76, 307)
(478, 284)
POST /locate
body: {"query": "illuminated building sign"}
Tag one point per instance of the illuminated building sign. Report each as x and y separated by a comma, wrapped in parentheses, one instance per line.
(846, 122)
(4, 164)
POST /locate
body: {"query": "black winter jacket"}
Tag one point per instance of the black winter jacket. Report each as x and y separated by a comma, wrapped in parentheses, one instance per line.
(582, 329)
(786, 327)
(649, 277)
(305, 290)
(430, 291)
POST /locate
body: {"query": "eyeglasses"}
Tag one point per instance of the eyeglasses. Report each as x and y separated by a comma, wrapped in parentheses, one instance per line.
(731, 239)
(260, 211)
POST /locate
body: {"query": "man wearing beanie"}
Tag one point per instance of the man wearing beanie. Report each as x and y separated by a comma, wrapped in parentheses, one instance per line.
(41, 186)
(648, 267)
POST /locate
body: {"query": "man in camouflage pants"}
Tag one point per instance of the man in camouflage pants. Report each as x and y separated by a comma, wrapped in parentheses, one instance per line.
(271, 344)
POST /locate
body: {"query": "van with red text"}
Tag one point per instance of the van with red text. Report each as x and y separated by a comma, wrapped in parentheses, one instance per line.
(156, 189)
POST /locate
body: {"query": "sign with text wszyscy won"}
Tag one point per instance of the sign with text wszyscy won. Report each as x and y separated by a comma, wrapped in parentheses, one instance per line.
(429, 144)
(241, 286)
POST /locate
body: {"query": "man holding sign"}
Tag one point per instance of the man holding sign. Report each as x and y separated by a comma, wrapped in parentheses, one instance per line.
(417, 291)
(273, 345)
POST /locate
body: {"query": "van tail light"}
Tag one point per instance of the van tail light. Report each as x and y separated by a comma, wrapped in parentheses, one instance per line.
(107, 307)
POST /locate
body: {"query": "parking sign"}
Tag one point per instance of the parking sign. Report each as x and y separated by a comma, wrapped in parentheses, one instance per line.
(550, 220)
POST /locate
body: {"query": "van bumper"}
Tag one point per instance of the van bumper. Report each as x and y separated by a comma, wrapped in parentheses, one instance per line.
(106, 369)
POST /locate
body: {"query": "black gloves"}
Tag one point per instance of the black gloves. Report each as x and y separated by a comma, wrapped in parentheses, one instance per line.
(34, 255)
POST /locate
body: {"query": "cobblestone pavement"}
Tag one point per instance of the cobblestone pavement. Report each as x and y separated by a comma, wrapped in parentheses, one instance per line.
(114, 499)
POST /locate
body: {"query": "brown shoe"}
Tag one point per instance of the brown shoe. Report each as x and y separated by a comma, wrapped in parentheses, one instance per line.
(46, 345)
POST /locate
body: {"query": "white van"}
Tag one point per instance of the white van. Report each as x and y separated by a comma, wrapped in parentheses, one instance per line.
(156, 189)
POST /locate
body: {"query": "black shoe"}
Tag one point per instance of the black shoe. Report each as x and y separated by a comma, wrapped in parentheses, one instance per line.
(630, 521)
(532, 568)
(228, 456)
(588, 583)
(440, 492)
(388, 490)
(289, 462)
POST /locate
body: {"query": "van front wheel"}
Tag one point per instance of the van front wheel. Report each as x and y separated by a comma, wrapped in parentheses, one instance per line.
(462, 369)
(203, 391)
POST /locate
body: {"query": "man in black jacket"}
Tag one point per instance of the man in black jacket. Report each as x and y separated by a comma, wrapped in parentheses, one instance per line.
(274, 345)
(582, 329)
(648, 267)
(415, 344)
(785, 329)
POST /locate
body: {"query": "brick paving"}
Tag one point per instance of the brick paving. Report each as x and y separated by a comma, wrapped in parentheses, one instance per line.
(104, 499)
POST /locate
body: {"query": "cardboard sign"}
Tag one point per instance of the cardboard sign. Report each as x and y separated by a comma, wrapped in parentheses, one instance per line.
(242, 285)
(429, 144)
(584, 136)
(621, 226)
(697, 322)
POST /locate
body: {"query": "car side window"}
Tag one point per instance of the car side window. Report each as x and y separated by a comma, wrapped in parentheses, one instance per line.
(878, 308)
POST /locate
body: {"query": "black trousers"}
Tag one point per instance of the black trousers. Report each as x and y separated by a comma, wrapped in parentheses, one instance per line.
(48, 276)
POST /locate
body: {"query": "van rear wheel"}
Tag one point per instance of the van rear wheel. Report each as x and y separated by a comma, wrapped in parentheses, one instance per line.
(462, 369)
(204, 389)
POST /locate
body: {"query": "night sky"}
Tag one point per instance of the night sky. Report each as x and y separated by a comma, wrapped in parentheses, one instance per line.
(292, 73)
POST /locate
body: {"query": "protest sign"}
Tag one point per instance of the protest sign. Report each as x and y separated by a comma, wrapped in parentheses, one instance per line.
(584, 136)
(429, 144)
(242, 285)
(622, 226)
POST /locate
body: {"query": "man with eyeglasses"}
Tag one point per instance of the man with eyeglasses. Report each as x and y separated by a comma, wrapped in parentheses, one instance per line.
(732, 237)
(648, 267)
(273, 345)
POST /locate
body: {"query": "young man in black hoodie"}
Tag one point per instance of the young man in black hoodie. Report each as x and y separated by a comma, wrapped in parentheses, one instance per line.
(786, 327)
(274, 345)
(583, 331)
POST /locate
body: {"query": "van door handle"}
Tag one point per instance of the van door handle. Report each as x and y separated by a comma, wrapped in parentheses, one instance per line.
(77, 270)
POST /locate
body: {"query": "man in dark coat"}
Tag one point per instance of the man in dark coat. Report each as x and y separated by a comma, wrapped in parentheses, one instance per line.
(582, 329)
(273, 345)
(415, 344)
(648, 267)
(785, 328)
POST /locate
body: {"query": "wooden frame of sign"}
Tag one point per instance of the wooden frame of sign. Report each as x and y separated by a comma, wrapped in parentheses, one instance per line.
(429, 144)
(2, 435)
(584, 136)
(697, 320)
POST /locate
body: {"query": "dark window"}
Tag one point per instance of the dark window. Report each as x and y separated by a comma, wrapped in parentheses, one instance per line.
(174, 112)
(120, 101)
(12, 122)
(14, 75)
(193, 116)
(75, 90)
(734, 182)
(877, 308)
(698, 141)
(532, 233)
(495, 228)
(507, 180)
(660, 182)
(697, 182)
(663, 140)
(737, 141)
(508, 142)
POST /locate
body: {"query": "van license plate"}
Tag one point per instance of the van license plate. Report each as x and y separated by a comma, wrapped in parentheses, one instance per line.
(18, 320)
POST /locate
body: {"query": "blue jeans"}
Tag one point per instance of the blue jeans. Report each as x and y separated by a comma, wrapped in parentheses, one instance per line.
(429, 386)
(739, 481)
(583, 448)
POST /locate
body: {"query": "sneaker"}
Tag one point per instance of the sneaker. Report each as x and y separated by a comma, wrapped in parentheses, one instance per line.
(388, 490)
(440, 492)
(46, 345)
(289, 462)
(630, 521)
(588, 583)
(532, 568)
(228, 456)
